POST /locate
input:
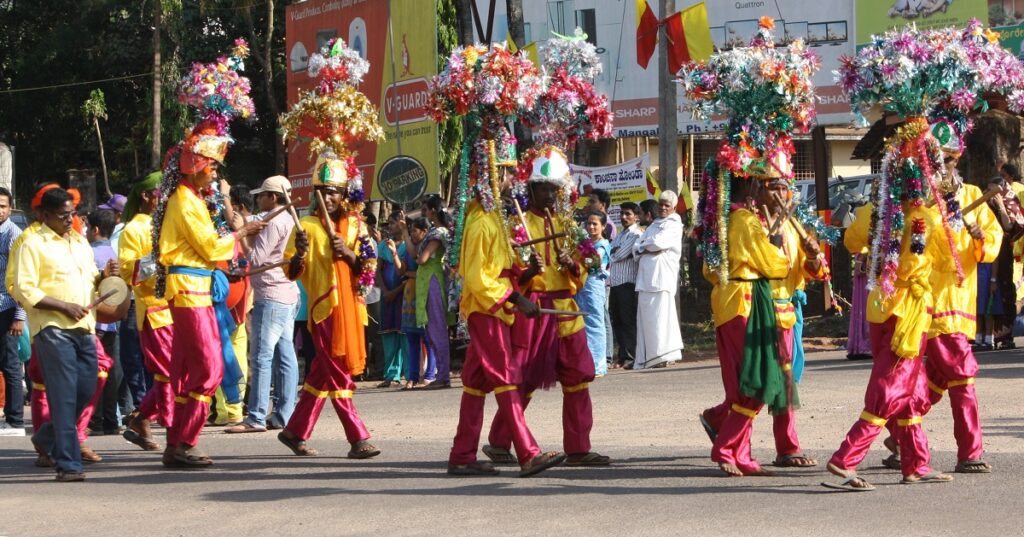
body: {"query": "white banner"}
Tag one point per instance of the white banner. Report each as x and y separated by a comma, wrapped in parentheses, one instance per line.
(624, 182)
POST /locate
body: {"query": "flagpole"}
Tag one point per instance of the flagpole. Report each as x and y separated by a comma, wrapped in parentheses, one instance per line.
(668, 133)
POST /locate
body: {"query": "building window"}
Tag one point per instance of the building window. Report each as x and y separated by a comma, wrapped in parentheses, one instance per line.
(561, 16)
(586, 20)
(803, 160)
(876, 165)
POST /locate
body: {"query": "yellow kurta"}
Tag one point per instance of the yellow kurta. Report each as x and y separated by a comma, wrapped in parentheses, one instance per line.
(553, 279)
(751, 257)
(484, 262)
(912, 299)
(783, 289)
(856, 237)
(188, 239)
(135, 243)
(319, 278)
(955, 306)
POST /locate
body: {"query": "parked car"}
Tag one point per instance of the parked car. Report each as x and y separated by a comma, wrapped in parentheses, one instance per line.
(852, 190)
(20, 219)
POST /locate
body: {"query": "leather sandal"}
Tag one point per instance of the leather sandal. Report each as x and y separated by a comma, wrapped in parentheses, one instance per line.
(296, 444)
(541, 462)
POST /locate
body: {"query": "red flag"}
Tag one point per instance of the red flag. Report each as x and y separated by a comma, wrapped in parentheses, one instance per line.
(646, 33)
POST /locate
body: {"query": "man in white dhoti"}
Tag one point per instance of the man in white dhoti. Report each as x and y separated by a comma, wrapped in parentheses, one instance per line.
(658, 339)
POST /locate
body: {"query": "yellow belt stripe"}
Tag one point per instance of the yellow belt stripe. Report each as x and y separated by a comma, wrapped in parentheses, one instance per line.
(745, 411)
(873, 419)
(961, 382)
(336, 394)
(577, 388)
(161, 378)
(916, 420)
(200, 397)
(103, 374)
(474, 392)
(181, 400)
(936, 388)
(503, 389)
(37, 386)
(787, 367)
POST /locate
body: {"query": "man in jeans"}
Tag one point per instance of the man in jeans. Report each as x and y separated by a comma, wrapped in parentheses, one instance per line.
(272, 322)
(12, 322)
(56, 278)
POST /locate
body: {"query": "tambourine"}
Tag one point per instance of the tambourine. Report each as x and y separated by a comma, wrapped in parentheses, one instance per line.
(112, 303)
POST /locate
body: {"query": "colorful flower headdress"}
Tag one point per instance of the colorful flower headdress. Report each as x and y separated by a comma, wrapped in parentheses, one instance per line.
(489, 87)
(333, 117)
(767, 93)
(219, 94)
(913, 73)
(570, 108)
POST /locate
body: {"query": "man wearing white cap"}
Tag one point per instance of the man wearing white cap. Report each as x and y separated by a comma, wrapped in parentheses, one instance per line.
(275, 299)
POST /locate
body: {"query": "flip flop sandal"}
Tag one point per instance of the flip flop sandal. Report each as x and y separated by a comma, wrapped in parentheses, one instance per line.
(848, 484)
(472, 469)
(794, 461)
(892, 462)
(541, 462)
(146, 443)
(192, 457)
(297, 446)
(499, 455)
(931, 477)
(363, 450)
(974, 466)
(711, 432)
(588, 459)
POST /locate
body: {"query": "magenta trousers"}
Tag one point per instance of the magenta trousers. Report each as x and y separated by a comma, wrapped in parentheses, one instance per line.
(197, 367)
(158, 404)
(895, 391)
(327, 379)
(733, 419)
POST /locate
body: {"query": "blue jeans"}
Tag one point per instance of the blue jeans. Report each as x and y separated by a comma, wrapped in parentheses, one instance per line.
(68, 360)
(273, 357)
(13, 370)
(135, 374)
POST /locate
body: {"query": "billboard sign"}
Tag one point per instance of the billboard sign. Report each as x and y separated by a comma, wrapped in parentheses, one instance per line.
(403, 57)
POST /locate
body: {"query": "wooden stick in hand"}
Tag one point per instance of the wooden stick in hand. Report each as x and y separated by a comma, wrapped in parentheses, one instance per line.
(273, 214)
(291, 209)
(325, 218)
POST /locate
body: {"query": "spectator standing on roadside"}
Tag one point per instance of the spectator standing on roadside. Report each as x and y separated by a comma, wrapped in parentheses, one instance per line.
(101, 224)
(12, 323)
(275, 299)
(658, 249)
(622, 282)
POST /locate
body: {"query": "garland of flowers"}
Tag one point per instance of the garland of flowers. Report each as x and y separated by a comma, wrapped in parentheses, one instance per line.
(956, 216)
(911, 160)
(368, 263)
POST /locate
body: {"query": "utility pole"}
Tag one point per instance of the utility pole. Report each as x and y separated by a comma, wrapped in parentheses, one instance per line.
(668, 133)
(154, 156)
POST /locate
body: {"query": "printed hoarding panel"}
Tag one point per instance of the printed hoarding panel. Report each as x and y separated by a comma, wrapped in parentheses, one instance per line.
(404, 166)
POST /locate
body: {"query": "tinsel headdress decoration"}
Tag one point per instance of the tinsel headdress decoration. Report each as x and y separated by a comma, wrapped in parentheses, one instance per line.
(912, 73)
(334, 116)
(767, 93)
(490, 87)
(219, 94)
(570, 108)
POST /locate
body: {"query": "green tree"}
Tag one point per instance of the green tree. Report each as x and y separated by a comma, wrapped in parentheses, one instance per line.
(94, 109)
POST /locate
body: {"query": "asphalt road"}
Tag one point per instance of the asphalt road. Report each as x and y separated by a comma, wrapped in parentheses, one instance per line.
(662, 481)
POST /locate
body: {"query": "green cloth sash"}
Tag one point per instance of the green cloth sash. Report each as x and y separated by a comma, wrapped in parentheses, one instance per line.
(762, 376)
